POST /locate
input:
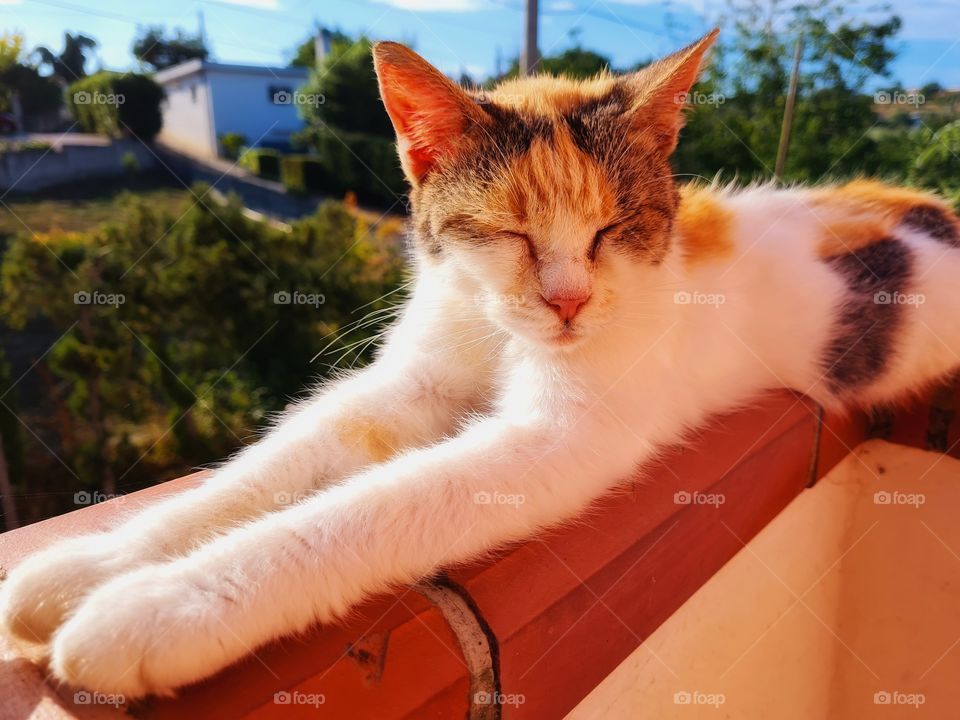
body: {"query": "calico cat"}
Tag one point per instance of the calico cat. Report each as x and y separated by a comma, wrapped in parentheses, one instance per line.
(573, 311)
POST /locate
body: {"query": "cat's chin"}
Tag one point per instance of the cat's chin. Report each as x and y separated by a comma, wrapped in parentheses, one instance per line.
(563, 340)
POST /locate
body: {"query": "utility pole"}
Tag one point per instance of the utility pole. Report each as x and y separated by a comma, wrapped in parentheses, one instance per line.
(530, 55)
(788, 111)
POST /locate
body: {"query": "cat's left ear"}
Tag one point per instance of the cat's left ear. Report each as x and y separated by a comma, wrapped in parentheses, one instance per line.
(659, 91)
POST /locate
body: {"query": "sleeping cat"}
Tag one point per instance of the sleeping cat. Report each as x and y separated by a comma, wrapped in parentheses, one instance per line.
(572, 313)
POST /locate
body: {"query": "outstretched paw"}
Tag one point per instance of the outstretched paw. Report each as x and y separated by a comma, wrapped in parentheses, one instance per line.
(41, 592)
(146, 632)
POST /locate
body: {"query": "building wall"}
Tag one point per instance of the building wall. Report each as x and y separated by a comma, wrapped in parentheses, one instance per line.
(243, 103)
(187, 122)
(31, 170)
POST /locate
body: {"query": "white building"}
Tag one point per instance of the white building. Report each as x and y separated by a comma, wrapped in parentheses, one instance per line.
(207, 99)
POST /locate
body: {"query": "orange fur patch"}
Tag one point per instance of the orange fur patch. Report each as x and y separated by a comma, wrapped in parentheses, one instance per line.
(849, 234)
(366, 434)
(703, 226)
(863, 212)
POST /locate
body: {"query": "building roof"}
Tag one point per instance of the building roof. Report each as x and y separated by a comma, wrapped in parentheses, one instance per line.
(197, 66)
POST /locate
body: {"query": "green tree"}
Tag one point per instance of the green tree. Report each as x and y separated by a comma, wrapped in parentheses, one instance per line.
(36, 93)
(69, 64)
(937, 166)
(348, 85)
(833, 113)
(574, 62)
(306, 53)
(181, 335)
(157, 50)
(348, 128)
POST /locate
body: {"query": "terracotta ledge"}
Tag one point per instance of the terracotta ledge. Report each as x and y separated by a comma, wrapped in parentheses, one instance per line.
(533, 630)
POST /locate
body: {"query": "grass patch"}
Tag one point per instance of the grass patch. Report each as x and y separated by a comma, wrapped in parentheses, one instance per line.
(82, 206)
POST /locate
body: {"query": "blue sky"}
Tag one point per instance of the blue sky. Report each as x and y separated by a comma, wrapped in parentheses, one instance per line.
(455, 35)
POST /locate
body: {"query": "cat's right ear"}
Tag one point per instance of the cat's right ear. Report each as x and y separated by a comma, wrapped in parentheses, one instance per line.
(429, 112)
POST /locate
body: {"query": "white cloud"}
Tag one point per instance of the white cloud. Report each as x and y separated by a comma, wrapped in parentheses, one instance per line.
(433, 5)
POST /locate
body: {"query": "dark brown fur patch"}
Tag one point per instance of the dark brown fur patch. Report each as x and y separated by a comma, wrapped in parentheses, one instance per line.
(865, 332)
(935, 222)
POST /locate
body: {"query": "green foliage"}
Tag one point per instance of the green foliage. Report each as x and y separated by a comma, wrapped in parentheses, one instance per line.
(130, 164)
(232, 144)
(366, 164)
(23, 145)
(306, 53)
(303, 174)
(180, 336)
(351, 97)
(263, 162)
(37, 94)
(350, 132)
(157, 50)
(937, 166)
(116, 104)
(69, 64)
(833, 117)
(575, 62)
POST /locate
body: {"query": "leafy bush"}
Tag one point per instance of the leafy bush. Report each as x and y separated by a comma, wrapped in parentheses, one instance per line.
(189, 332)
(365, 164)
(116, 104)
(303, 174)
(350, 131)
(263, 162)
(232, 144)
(23, 145)
(937, 166)
(130, 164)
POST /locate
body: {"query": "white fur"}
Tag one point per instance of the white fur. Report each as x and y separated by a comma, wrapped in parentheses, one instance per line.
(485, 403)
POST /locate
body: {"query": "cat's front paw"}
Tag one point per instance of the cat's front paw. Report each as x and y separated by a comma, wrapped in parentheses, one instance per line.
(146, 632)
(41, 592)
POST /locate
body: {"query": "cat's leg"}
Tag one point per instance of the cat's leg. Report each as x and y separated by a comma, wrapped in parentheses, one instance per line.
(163, 626)
(407, 398)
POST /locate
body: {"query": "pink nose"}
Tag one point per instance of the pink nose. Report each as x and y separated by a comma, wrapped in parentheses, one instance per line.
(566, 307)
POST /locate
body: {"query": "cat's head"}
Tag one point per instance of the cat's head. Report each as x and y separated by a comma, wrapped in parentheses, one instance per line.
(554, 195)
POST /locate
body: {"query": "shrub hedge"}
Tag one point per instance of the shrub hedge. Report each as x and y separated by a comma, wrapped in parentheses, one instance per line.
(117, 104)
(263, 162)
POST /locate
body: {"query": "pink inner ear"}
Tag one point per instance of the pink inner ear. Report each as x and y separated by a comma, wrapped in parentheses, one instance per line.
(428, 123)
(428, 111)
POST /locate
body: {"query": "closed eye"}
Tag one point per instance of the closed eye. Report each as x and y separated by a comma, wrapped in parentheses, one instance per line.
(599, 238)
(525, 239)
